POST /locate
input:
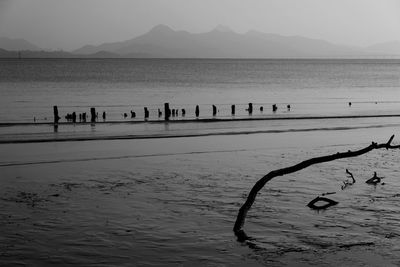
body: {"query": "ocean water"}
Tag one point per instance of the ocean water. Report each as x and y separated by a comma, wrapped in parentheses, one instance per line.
(30, 88)
(169, 194)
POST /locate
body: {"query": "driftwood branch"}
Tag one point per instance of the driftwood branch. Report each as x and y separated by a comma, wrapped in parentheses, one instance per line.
(241, 217)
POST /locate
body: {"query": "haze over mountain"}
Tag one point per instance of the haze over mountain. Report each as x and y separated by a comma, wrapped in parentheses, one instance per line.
(163, 42)
(388, 48)
(16, 44)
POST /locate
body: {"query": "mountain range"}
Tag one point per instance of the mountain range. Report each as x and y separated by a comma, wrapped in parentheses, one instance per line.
(164, 42)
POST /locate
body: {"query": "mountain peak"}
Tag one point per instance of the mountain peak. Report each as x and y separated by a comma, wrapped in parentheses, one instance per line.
(223, 28)
(161, 28)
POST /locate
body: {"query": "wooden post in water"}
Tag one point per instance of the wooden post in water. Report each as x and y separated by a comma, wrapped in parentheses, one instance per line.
(92, 115)
(250, 108)
(197, 111)
(214, 110)
(56, 117)
(233, 110)
(167, 111)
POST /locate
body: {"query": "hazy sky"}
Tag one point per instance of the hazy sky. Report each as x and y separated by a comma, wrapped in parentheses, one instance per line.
(69, 24)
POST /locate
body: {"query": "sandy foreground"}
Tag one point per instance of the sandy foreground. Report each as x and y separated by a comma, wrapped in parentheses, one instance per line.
(173, 201)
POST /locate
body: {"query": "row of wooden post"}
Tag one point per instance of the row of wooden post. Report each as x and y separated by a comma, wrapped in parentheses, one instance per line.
(167, 112)
(93, 115)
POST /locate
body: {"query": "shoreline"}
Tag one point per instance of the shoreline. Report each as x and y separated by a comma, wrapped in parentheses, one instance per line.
(161, 136)
(203, 120)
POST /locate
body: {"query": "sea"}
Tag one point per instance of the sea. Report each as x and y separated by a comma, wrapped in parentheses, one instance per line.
(139, 191)
(31, 87)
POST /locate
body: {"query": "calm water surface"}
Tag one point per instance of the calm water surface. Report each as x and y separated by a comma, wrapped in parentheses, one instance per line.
(29, 88)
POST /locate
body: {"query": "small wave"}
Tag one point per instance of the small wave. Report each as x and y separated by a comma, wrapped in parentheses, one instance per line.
(196, 134)
(10, 164)
(210, 120)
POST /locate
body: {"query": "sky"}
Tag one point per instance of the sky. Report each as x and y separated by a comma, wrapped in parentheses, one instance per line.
(70, 24)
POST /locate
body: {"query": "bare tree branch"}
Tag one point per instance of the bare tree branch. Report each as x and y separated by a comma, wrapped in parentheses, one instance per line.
(241, 217)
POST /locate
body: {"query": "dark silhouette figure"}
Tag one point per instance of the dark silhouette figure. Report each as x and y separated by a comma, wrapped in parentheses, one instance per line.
(197, 111)
(288, 107)
(183, 111)
(173, 112)
(233, 110)
(146, 113)
(274, 108)
(74, 117)
(159, 113)
(261, 108)
(349, 104)
(104, 115)
(214, 108)
(126, 115)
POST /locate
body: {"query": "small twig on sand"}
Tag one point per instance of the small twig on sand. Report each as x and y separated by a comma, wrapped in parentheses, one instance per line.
(347, 183)
(351, 176)
(328, 193)
(374, 180)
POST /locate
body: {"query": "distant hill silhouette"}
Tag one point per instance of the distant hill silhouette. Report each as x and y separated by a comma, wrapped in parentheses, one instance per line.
(164, 42)
(53, 54)
(17, 44)
(222, 42)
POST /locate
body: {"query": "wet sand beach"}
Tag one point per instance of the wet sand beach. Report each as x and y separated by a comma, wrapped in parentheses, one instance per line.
(173, 201)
